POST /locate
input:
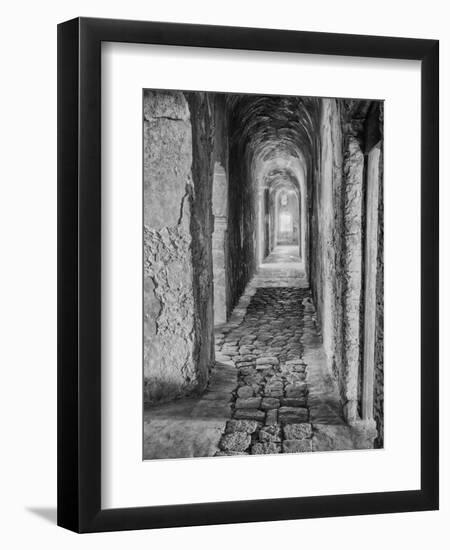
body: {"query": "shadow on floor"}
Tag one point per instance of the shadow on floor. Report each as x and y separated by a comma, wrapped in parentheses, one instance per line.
(45, 513)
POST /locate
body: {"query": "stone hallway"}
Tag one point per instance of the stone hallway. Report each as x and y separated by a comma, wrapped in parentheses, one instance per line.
(270, 391)
(263, 313)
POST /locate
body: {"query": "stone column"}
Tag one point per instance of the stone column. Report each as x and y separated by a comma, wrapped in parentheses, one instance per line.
(170, 366)
(370, 305)
(352, 267)
(363, 430)
(219, 241)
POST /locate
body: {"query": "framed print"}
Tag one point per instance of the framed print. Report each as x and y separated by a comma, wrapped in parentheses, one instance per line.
(248, 275)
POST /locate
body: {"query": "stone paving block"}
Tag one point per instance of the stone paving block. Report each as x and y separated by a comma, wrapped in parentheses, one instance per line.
(297, 431)
(270, 434)
(248, 402)
(245, 391)
(229, 351)
(273, 393)
(272, 417)
(236, 441)
(264, 368)
(241, 365)
(266, 361)
(247, 426)
(275, 383)
(246, 371)
(269, 403)
(248, 339)
(269, 388)
(266, 448)
(252, 379)
(247, 356)
(299, 368)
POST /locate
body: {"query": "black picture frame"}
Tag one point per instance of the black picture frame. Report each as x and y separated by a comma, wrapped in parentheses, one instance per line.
(79, 274)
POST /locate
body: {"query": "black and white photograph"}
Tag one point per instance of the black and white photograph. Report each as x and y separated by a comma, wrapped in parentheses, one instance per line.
(226, 256)
(263, 307)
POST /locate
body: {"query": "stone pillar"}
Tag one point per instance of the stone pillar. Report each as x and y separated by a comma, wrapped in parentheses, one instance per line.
(301, 251)
(272, 221)
(261, 235)
(352, 267)
(170, 366)
(219, 243)
(370, 302)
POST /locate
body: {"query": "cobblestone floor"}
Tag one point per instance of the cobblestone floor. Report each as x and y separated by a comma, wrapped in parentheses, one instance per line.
(270, 391)
(269, 410)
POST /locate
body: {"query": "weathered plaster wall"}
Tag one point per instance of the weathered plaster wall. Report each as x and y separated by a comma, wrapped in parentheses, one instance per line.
(177, 280)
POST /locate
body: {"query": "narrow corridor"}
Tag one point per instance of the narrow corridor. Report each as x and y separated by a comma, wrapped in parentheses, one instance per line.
(262, 274)
(270, 391)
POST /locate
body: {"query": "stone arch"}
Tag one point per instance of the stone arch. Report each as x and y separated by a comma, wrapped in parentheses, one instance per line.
(289, 172)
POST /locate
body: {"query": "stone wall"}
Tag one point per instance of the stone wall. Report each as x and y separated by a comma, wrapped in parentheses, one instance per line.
(326, 230)
(352, 274)
(201, 106)
(220, 211)
(242, 222)
(177, 264)
(337, 249)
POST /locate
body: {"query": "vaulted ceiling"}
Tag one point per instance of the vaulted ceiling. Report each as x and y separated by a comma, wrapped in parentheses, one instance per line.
(273, 126)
